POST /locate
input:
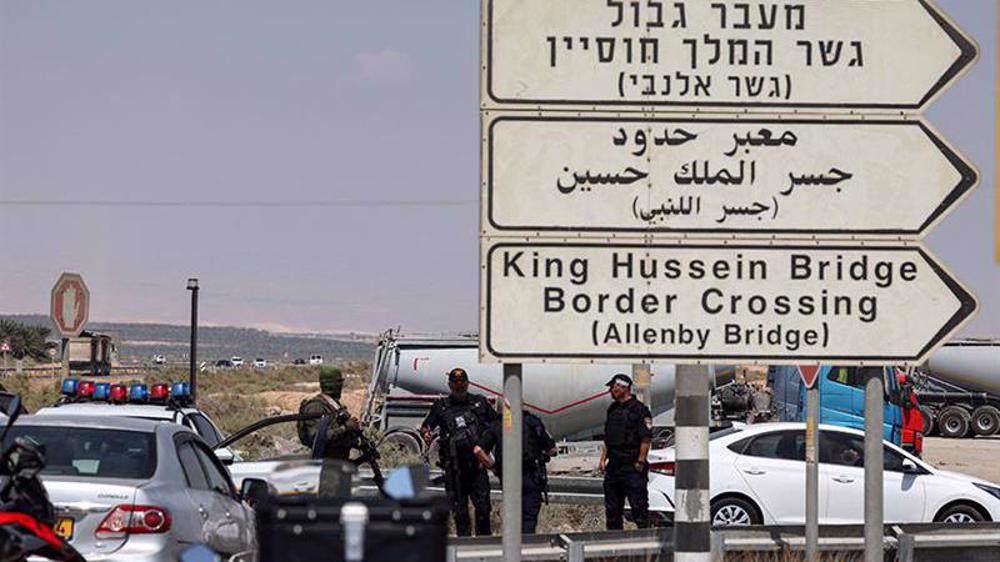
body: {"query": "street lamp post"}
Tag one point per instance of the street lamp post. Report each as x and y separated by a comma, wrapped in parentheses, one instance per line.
(193, 287)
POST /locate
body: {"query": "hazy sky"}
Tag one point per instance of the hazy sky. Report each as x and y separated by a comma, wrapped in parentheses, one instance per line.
(297, 101)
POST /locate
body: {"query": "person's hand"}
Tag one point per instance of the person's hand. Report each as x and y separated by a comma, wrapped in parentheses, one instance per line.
(426, 433)
(354, 423)
(603, 465)
(640, 466)
(484, 459)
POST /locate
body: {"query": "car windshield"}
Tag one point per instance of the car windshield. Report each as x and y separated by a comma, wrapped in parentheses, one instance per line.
(100, 453)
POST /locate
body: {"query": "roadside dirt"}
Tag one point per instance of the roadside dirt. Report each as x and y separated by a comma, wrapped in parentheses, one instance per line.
(975, 457)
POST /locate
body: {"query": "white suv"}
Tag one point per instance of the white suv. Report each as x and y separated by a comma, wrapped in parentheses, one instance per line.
(315, 359)
(237, 361)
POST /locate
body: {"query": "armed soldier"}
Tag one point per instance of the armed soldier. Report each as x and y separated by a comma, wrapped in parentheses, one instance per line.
(628, 431)
(538, 448)
(461, 417)
(331, 436)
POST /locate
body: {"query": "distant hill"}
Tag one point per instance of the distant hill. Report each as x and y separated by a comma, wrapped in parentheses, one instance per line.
(142, 341)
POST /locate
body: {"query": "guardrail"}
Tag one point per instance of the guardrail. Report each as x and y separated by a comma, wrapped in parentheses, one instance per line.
(903, 543)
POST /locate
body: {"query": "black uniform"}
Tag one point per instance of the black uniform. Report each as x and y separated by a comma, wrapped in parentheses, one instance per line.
(536, 444)
(626, 426)
(461, 423)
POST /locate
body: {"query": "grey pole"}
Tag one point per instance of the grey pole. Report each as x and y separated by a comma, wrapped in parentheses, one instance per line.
(512, 462)
(192, 286)
(692, 512)
(812, 473)
(873, 464)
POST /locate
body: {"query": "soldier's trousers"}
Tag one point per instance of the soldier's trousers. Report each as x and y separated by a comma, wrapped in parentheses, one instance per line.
(474, 486)
(531, 503)
(623, 481)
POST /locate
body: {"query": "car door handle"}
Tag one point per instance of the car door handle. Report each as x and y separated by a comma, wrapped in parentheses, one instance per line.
(754, 471)
(202, 512)
(843, 479)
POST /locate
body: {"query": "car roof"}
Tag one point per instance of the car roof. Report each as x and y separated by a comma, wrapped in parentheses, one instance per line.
(768, 427)
(158, 411)
(99, 422)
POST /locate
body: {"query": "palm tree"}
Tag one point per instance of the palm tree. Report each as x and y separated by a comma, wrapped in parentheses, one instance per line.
(25, 341)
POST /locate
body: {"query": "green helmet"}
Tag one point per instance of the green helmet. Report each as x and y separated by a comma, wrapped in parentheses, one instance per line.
(331, 381)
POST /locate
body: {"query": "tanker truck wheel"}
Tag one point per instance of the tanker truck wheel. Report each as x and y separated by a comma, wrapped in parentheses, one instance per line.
(404, 442)
(954, 422)
(985, 420)
(927, 415)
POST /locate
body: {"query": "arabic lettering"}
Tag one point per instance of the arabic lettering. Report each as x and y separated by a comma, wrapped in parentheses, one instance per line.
(587, 179)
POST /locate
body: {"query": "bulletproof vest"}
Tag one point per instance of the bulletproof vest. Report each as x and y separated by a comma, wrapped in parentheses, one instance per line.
(622, 431)
(461, 427)
(532, 453)
(321, 403)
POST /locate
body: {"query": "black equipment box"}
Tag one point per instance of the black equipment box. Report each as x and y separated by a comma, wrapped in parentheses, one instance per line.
(307, 529)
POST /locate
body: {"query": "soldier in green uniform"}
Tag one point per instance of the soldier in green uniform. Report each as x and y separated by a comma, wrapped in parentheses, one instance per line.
(337, 427)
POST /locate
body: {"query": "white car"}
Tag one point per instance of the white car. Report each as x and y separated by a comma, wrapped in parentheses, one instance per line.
(159, 359)
(315, 360)
(259, 363)
(237, 361)
(758, 476)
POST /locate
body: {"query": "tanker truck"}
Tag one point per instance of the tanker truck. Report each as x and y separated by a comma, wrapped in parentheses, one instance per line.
(959, 389)
(409, 373)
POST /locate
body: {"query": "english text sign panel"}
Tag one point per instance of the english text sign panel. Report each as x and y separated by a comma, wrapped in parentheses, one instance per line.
(715, 303)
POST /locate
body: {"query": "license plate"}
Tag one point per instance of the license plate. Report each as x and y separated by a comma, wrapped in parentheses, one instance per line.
(64, 528)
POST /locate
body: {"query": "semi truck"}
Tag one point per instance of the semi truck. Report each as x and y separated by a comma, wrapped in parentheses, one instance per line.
(959, 389)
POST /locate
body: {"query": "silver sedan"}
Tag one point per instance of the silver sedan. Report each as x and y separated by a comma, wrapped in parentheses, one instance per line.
(137, 490)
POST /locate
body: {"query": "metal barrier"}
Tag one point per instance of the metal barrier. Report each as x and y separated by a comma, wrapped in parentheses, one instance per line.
(903, 543)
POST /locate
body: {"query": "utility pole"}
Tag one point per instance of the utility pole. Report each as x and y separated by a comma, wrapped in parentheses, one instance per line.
(192, 285)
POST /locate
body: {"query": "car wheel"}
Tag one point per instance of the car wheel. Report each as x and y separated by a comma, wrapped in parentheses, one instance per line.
(734, 512)
(927, 415)
(985, 420)
(960, 513)
(953, 422)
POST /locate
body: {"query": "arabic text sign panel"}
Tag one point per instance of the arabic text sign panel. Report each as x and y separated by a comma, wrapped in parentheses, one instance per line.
(712, 303)
(845, 53)
(718, 176)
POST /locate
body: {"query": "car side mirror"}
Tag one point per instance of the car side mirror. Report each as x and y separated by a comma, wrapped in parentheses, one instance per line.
(225, 455)
(910, 467)
(407, 482)
(254, 490)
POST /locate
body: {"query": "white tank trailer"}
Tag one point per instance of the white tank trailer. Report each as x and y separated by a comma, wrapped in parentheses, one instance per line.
(959, 390)
(410, 372)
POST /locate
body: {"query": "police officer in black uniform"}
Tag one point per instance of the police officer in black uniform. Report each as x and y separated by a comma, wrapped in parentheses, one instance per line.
(627, 433)
(537, 448)
(462, 417)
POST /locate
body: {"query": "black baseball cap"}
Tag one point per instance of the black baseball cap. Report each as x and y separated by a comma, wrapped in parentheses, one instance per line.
(458, 374)
(620, 378)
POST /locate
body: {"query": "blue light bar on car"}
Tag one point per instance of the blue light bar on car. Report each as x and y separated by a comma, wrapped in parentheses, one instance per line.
(180, 390)
(102, 391)
(69, 387)
(138, 393)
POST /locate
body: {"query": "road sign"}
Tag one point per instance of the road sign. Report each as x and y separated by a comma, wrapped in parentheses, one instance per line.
(70, 306)
(896, 54)
(716, 303)
(808, 374)
(718, 176)
(4, 347)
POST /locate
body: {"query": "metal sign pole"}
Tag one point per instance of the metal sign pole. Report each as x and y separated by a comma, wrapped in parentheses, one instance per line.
(512, 461)
(641, 378)
(692, 515)
(812, 473)
(65, 357)
(873, 465)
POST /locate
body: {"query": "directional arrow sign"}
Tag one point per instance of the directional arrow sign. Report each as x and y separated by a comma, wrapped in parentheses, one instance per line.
(715, 303)
(718, 176)
(896, 54)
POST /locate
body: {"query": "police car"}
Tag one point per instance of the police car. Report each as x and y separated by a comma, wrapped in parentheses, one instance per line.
(161, 401)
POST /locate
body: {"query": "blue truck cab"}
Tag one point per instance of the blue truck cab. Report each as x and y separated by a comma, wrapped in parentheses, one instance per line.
(842, 400)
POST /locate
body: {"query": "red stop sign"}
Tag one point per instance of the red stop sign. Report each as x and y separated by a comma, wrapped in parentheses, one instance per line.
(70, 305)
(808, 374)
